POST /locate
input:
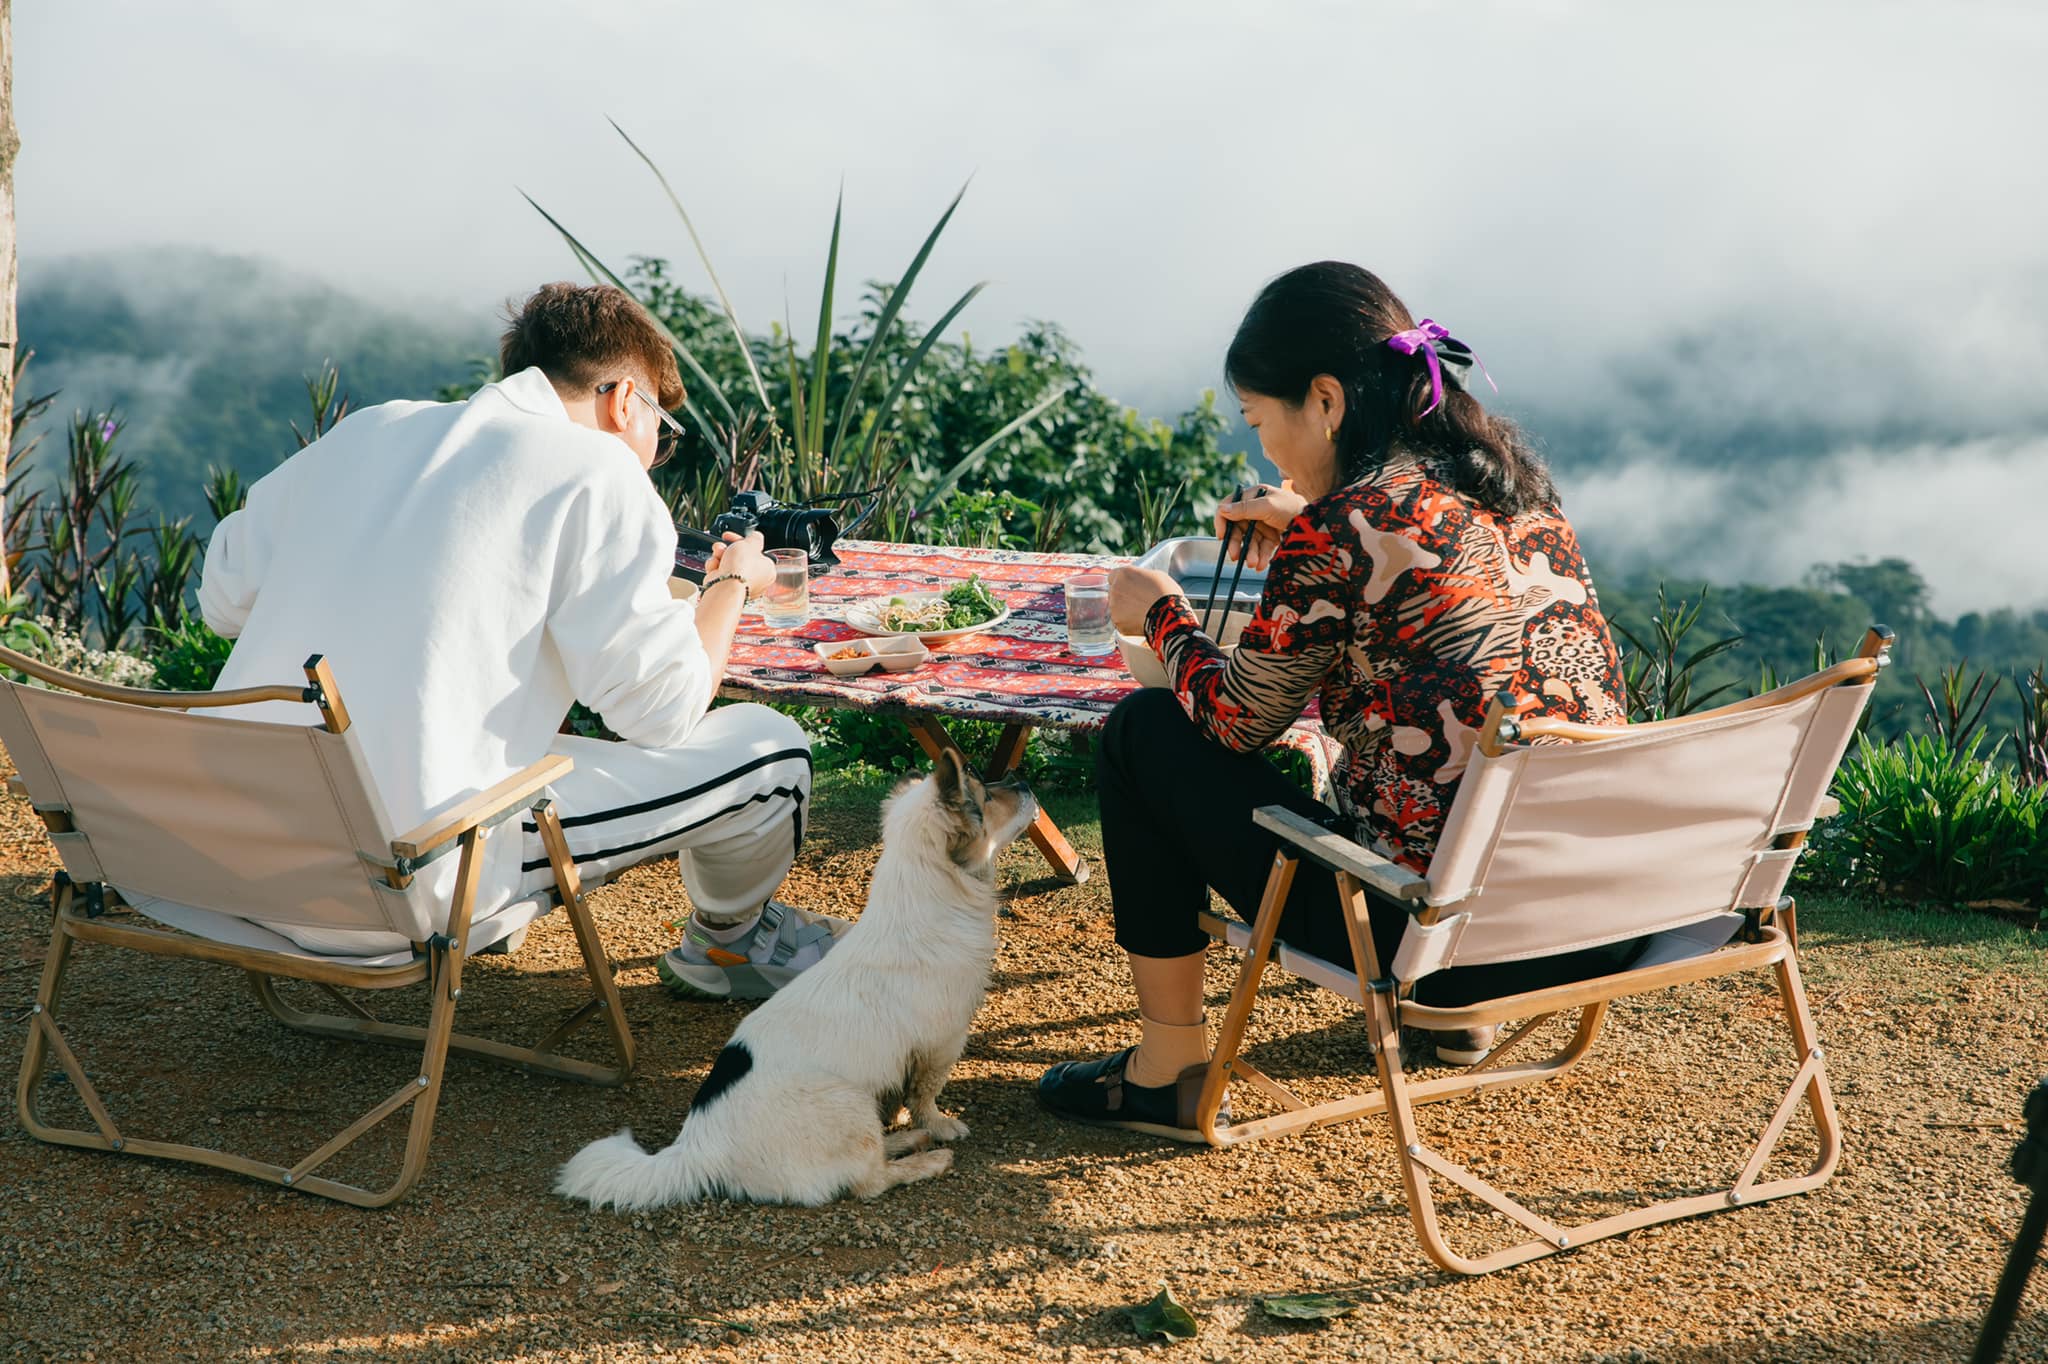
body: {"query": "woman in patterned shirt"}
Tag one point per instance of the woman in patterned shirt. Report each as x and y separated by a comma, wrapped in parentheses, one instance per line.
(1417, 565)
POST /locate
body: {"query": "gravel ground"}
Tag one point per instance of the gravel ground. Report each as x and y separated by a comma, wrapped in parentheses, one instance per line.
(1043, 1234)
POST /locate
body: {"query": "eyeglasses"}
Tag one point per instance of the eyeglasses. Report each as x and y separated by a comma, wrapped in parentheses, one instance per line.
(672, 430)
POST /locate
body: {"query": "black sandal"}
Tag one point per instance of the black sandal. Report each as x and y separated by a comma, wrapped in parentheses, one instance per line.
(1096, 1092)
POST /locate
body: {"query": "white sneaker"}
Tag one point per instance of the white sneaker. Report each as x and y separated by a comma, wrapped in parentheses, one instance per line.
(783, 942)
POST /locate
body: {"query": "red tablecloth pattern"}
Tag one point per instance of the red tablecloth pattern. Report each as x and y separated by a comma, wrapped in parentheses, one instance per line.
(1019, 672)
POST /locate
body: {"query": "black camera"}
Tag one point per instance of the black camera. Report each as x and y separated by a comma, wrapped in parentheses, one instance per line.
(810, 529)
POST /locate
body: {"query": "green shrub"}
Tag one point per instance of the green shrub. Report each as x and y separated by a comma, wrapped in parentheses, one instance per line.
(17, 631)
(1054, 759)
(190, 657)
(77, 552)
(48, 642)
(858, 738)
(1923, 820)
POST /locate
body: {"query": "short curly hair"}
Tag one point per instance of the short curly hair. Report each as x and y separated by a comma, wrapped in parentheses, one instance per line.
(582, 335)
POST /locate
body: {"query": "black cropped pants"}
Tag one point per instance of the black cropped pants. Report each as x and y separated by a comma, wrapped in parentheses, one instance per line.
(1177, 820)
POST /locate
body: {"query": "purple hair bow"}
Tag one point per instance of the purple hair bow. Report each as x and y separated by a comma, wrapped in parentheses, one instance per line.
(1425, 336)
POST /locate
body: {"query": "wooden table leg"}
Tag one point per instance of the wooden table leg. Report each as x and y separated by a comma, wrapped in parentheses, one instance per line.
(1045, 835)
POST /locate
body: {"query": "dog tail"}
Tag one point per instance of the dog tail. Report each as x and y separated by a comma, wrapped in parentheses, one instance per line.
(614, 1172)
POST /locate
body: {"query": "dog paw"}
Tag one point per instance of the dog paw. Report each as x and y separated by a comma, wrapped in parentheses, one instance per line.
(943, 1126)
(906, 1142)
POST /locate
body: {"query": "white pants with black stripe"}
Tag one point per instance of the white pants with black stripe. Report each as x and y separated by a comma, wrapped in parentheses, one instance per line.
(730, 803)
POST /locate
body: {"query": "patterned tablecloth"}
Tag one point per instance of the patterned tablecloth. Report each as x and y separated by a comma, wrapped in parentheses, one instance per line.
(1019, 672)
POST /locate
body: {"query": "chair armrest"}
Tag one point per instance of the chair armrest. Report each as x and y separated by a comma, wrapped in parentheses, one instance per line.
(1340, 854)
(485, 807)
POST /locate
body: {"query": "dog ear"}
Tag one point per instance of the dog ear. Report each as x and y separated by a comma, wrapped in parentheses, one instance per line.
(964, 844)
(952, 784)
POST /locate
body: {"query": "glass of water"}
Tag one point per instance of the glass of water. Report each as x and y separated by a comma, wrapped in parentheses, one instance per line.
(787, 604)
(1089, 632)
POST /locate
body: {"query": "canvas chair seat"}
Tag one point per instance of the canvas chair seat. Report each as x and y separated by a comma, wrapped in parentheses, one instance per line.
(1682, 833)
(237, 932)
(1673, 945)
(257, 843)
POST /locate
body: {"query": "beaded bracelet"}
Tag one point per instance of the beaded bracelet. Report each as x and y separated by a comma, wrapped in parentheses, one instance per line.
(717, 578)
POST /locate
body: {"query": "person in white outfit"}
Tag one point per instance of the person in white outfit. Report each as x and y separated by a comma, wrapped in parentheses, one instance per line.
(468, 570)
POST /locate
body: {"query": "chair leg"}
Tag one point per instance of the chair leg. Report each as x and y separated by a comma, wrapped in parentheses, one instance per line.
(1809, 1084)
(1408, 1145)
(595, 961)
(422, 1092)
(539, 1058)
(44, 1039)
(1216, 1082)
(1399, 1096)
(1226, 1064)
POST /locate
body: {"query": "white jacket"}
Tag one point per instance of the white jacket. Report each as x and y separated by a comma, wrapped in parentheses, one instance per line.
(468, 569)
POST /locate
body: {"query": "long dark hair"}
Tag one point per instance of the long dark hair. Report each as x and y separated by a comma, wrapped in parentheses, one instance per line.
(1333, 318)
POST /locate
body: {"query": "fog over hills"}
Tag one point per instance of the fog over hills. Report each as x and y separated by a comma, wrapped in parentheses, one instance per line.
(203, 356)
(1752, 447)
(1742, 448)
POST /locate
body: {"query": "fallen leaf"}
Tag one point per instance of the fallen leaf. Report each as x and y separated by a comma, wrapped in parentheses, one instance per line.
(605, 1289)
(1308, 1306)
(1165, 1318)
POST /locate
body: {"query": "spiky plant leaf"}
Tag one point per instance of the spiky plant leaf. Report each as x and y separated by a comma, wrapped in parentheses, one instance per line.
(813, 436)
(731, 317)
(972, 459)
(590, 262)
(904, 376)
(887, 317)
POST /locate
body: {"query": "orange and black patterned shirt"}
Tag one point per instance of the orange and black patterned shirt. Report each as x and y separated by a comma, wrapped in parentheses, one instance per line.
(1405, 608)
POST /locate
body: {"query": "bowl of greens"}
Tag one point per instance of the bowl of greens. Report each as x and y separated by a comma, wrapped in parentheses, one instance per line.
(961, 609)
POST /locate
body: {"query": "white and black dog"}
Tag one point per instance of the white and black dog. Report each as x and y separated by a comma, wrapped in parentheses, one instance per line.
(796, 1105)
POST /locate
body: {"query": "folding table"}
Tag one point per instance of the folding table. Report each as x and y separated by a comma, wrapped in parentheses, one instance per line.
(1018, 673)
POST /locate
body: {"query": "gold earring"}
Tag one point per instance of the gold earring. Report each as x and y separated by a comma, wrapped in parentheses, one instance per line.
(1329, 435)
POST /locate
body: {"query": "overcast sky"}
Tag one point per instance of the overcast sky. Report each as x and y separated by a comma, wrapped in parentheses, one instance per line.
(1568, 185)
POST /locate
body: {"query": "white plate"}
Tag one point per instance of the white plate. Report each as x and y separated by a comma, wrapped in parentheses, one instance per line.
(866, 617)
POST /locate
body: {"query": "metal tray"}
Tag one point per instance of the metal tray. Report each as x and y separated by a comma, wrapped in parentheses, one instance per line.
(1190, 560)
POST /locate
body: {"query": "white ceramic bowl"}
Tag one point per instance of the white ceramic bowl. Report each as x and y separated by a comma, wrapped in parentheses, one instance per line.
(894, 655)
(1145, 665)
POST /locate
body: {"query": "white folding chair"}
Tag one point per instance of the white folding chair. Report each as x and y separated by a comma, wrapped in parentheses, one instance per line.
(216, 827)
(1562, 837)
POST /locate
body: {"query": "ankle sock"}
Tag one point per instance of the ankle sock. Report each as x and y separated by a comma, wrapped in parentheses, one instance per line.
(1165, 1050)
(731, 930)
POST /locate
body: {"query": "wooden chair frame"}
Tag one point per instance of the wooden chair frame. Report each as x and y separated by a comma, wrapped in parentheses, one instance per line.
(1768, 942)
(438, 963)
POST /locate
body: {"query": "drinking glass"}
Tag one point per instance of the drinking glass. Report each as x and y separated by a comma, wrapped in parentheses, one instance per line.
(787, 604)
(1089, 632)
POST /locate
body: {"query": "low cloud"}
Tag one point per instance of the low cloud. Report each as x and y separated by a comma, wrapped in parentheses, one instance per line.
(1964, 512)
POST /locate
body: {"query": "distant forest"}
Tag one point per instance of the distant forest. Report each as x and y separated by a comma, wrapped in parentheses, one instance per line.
(1783, 630)
(204, 357)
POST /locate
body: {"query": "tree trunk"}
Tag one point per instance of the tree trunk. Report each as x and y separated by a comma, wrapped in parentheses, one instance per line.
(10, 143)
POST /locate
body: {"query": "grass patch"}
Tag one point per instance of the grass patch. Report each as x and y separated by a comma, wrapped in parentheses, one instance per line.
(858, 793)
(1924, 935)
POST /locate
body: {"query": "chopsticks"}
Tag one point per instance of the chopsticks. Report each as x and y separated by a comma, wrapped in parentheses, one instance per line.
(1216, 578)
(1244, 545)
